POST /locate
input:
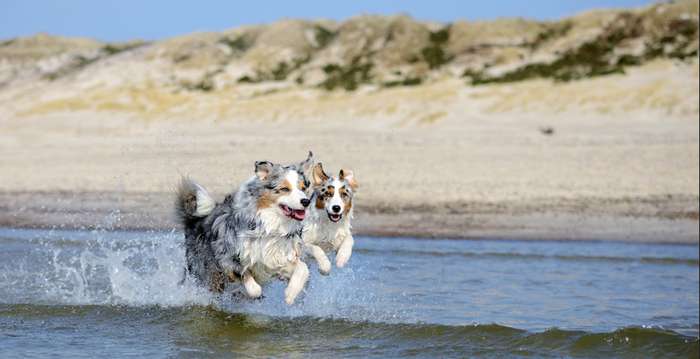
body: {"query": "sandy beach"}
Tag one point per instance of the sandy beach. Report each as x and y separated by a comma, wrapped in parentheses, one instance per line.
(614, 157)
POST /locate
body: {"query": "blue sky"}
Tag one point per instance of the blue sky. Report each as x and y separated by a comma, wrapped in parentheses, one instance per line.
(155, 19)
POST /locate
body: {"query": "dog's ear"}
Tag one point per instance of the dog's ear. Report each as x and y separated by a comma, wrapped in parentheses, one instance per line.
(347, 175)
(319, 176)
(306, 165)
(263, 169)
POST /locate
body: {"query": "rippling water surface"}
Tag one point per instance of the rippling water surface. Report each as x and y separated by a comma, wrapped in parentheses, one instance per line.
(84, 293)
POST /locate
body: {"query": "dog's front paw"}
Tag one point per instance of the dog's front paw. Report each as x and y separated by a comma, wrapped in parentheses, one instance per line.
(324, 267)
(341, 260)
(290, 296)
(252, 288)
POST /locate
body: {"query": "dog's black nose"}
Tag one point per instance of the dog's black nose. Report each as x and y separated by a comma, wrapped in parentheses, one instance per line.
(336, 208)
(305, 202)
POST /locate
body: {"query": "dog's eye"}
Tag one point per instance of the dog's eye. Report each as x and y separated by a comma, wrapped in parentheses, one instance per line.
(284, 190)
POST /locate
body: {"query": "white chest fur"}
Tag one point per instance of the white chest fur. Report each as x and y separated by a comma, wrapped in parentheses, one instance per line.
(320, 231)
(271, 250)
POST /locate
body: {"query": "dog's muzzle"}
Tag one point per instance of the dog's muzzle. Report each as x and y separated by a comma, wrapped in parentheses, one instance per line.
(297, 214)
(334, 217)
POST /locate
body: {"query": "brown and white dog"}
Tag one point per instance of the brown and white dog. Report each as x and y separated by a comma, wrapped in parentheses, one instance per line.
(327, 224)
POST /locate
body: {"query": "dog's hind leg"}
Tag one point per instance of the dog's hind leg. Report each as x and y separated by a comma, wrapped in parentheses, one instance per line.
(296, 282)
(217, 283)
(344, 252)
(252, 287)
(324, 264)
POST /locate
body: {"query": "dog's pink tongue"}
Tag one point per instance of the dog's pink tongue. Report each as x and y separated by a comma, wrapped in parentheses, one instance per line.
(298, 214)
(287, 211)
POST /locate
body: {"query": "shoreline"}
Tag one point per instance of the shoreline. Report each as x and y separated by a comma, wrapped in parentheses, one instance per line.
(661, 219)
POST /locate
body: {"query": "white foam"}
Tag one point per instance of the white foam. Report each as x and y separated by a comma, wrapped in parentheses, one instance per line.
(147, 268)
(105, 268)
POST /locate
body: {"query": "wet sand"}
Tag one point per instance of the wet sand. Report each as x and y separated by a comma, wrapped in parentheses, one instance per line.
(658, 220)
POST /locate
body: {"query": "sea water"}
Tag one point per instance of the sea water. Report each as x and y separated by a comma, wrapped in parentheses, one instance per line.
(123, 293)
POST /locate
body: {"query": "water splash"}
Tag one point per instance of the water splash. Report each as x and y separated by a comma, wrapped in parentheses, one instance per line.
(102, 267)
(349, 294)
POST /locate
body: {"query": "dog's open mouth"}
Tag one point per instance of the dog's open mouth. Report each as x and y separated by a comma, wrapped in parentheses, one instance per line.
(297, 214)
(334, 217)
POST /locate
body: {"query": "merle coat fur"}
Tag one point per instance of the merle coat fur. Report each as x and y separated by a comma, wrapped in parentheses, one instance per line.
(235, 239)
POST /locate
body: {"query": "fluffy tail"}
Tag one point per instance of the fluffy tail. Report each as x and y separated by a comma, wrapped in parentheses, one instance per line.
(192, 201)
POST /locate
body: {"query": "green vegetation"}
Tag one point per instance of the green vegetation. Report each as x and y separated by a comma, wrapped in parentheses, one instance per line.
(681, 33)
(597, 57)
(181, 58)
(323, 36)
(409, 81)
(434, 54)
(279, 73)
(247, 80)
(238, 44)
(205, 85)
(550, 32)
(348, 77)
(113, 49)
(283, 69)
